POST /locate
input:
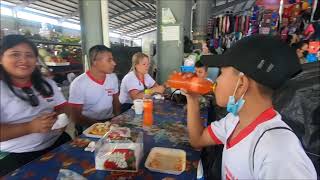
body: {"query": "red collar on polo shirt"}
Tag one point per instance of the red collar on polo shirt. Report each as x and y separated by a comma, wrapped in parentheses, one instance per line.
(26, 85)
(101, 82)
(140, 80)
(263, 117)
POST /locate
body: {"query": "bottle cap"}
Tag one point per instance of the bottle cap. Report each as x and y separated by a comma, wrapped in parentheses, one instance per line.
(148, 91)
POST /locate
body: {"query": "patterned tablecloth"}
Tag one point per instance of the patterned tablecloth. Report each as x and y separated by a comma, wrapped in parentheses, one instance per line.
(169, 130)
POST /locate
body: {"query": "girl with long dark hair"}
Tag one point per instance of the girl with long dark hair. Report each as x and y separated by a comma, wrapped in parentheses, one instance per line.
(29, 107)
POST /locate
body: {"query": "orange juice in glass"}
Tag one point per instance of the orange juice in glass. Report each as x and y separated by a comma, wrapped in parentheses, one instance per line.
(147, 109)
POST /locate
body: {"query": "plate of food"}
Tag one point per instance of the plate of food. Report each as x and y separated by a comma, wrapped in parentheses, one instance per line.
(166, 160)
(97, 130)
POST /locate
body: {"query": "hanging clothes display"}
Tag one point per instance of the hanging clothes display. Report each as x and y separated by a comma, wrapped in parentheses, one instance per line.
(247, 25)
(236, 24)
(227, 24)
(223, 25)
(220, 24)
(243, 21)
(315, 16)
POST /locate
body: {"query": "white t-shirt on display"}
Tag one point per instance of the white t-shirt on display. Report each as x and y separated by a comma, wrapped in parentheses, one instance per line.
(95, 96)
(278, 155)
(15, 110)
(131, 82)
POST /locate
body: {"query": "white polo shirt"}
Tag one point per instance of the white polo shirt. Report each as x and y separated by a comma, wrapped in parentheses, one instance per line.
(15, 110)
(279, 153)
(95, 96)
(131, 82)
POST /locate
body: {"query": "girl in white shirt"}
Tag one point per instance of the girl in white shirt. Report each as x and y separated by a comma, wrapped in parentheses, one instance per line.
(136, 81)
(29, 106)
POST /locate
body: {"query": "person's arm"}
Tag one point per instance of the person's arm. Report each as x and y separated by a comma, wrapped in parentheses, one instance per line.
(136, 94)
(61, 105)
(116, 104)
(41, 124)
(79, 118)
(76, 101)
(63, 108)
(198, 135)
(153, 85)
(158, 88)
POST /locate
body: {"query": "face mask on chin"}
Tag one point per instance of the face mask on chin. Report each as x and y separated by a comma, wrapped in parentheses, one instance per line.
(233, 106)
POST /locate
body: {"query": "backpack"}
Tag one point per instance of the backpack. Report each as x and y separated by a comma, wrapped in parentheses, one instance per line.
(298, 102)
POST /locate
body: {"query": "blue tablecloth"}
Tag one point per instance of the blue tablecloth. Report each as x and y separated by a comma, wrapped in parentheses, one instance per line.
(169, 130)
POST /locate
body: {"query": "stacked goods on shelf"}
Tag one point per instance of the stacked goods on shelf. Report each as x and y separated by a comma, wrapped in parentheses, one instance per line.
(60, 56)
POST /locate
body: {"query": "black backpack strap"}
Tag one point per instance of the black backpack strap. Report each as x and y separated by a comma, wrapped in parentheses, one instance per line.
(274, 128)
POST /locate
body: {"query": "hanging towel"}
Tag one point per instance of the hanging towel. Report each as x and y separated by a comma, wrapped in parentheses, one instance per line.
(239, 24)
(220, 24)
(228, 25)
(223, 25)
(247, 25)
(243, 21)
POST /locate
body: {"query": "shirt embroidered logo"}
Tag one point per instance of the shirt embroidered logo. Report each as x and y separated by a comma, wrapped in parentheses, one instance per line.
(110, 92)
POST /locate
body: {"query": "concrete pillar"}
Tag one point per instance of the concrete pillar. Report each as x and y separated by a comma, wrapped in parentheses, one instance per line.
(170, 53)
(202, 15)
(94, 25)
(187, 18)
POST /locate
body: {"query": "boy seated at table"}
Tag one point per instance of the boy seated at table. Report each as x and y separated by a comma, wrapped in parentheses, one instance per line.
(94, 95)
(257, 143)
(201, 71)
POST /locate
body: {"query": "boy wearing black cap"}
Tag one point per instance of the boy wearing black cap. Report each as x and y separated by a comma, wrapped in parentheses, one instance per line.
(257, 143)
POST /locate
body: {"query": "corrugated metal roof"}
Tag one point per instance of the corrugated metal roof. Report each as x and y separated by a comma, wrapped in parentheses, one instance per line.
(128, 17)
(232, 6)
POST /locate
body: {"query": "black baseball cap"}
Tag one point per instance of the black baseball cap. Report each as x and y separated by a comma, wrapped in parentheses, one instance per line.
(264, 58)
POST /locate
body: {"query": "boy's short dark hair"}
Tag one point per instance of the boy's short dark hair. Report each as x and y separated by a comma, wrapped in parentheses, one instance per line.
(264, 90)
(199, 64)
(94, 50)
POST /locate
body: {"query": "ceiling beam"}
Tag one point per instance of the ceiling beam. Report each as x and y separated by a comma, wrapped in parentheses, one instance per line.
(36, 13)
(142, 27)
(144, 1)
(24, 4)
(244, 5)
(244, 10)
(134, 21)
(132, 9)
(147, 1)
(142, 32)
(125, 3)
(218, 9)
(68, 16)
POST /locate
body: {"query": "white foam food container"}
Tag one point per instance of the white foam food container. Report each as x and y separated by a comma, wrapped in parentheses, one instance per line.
(88, 130)
(166, 160)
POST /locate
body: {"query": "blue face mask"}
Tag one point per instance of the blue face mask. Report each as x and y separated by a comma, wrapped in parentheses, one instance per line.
(233, 106)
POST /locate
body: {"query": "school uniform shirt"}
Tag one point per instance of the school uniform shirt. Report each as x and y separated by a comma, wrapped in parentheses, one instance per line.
(95, 96)
(131, 82)
(15, 110)
(278, 155)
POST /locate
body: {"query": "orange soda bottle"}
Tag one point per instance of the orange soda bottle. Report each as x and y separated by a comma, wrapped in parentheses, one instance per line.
(147, 108)
(193, 84)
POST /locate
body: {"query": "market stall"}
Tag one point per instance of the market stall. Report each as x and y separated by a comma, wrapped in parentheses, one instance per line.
(281, 17)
